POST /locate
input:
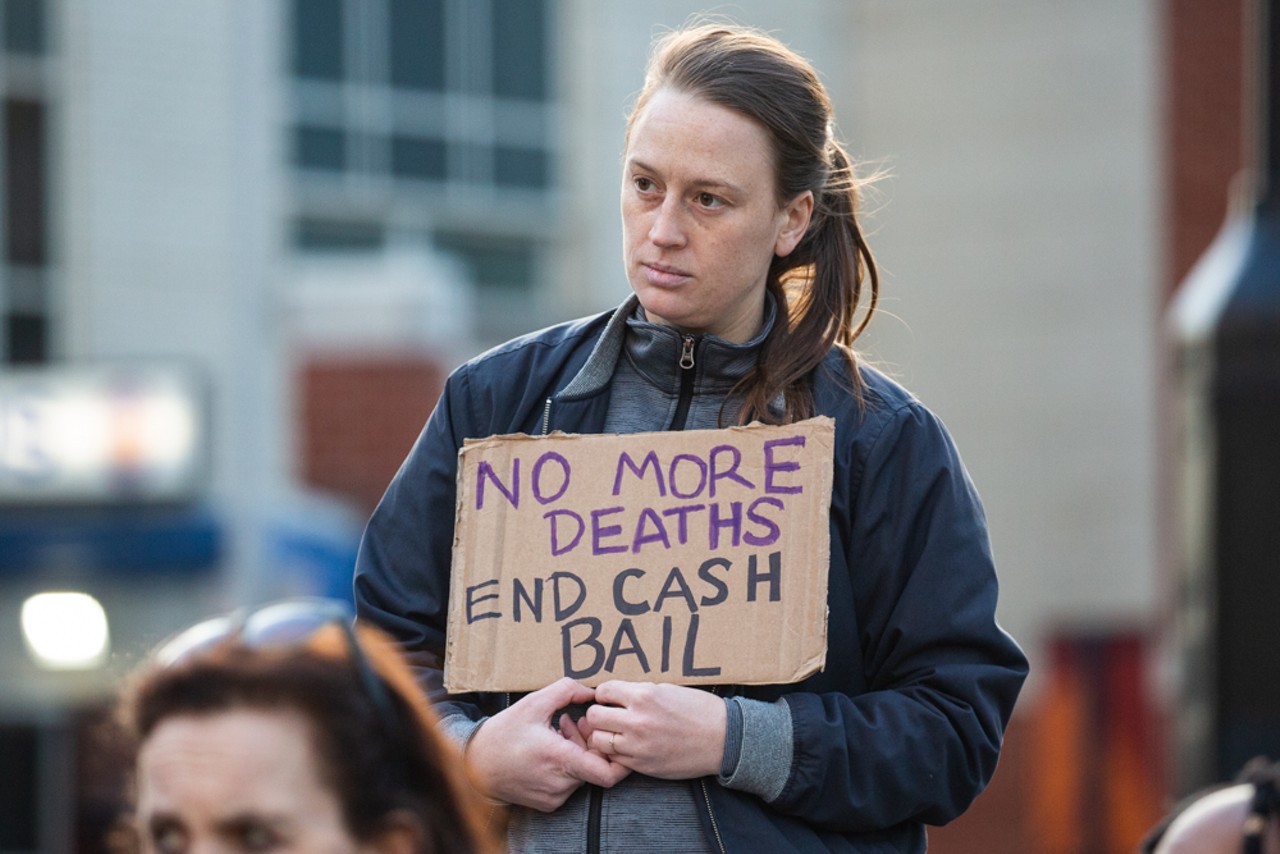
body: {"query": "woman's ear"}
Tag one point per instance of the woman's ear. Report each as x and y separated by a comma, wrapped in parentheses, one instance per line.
(795, 216)
(401, 833)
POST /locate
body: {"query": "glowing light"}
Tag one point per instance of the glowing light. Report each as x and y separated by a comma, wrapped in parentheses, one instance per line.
(65, 630)
(96, 434)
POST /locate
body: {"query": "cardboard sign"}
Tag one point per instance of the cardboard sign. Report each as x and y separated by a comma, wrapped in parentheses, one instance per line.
(694, 557)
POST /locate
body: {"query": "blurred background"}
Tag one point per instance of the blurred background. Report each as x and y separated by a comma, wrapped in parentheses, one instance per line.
(244, 242)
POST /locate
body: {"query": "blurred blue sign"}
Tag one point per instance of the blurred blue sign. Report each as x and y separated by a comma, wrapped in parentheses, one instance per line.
(119, 540)
(102, 434)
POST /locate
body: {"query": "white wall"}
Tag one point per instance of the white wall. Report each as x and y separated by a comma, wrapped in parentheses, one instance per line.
(169, 217)
(1020, 242)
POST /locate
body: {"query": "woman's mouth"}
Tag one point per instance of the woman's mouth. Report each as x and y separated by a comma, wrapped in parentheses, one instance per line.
(663, 275)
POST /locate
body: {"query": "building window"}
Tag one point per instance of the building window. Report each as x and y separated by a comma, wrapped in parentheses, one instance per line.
(493, 262)
(332, 235)
(428, 121)
(319, 148)
(24, 170)
(18, 788)
(444, 91)
(317, 39)
(519, 41)
(23, 22)
(416, 44)
(24, 177)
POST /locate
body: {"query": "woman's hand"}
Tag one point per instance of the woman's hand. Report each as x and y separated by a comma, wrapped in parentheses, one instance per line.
(668, 731)
(517, 757)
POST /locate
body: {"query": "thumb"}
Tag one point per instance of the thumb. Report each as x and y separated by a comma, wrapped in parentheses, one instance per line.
(559, 694)
(592, 767)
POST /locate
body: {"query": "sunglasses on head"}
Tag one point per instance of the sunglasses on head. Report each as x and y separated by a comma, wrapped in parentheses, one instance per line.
(283, 624)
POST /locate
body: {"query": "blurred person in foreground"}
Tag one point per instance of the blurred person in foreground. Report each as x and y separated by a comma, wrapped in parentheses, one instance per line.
(1237, 818)
(751, 279)
(287, 730)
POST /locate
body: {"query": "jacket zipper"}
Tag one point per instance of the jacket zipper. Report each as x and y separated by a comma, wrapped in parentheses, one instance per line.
(546, 416)
(715, 828)
(595, 807)
(686, 382)
(706, 796)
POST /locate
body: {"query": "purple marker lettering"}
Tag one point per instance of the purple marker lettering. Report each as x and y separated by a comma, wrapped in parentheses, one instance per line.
(701, 468)
(772, 467)
(773, 532)
(599, 532)
(549, 456)
(731, 472)
(650, 460)
(513, 494)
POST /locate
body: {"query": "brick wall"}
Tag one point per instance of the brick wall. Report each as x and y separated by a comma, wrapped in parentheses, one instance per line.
(1081, 771)
(1207, 95)
(359, 418)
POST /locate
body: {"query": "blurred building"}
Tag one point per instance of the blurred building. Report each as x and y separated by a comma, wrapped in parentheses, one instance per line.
(305, 213)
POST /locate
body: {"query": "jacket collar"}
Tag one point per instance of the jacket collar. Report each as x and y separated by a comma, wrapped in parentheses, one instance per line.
(728, 361)
(595, 374)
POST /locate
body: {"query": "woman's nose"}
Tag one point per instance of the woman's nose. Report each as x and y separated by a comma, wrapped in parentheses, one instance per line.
(667, 229)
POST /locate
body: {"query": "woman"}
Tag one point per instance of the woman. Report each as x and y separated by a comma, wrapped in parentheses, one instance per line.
(748, 268)
(284, 732)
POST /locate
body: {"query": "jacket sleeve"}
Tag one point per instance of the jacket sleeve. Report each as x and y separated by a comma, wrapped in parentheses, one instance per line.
(940, 675)
(403, 564)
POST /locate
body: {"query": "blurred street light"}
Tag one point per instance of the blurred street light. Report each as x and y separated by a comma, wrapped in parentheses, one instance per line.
(65, 630)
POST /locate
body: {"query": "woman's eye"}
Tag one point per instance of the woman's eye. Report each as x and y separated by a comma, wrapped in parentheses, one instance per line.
(256, 837)
(707, 200)
(168, 839)
(644, 185)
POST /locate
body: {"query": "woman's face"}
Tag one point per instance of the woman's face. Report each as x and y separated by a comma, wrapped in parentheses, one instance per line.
(700, 215)
(241, 780)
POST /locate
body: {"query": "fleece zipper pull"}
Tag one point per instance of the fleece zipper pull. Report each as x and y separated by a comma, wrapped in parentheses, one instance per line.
(687, 363)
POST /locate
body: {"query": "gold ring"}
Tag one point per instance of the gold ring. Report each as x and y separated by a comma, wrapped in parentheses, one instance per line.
(613, 747)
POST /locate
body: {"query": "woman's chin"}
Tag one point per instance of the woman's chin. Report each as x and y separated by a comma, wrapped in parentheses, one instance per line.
(664, 308)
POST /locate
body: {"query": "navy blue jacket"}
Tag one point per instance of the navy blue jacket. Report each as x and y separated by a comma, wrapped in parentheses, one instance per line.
(902, 727)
